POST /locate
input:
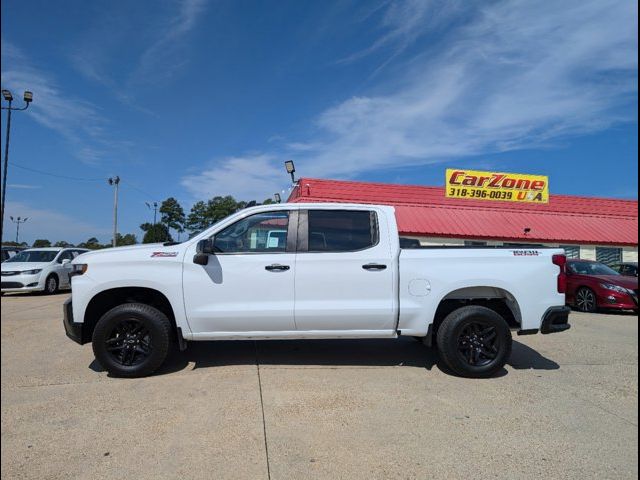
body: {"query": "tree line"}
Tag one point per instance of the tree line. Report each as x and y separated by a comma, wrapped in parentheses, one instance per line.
(173, 219)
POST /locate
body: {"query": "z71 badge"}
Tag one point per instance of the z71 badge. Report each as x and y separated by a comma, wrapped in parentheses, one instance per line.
(164, 254)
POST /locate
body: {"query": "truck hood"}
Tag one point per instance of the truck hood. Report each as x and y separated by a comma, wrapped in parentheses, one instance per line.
(22, 266)
(147, 250)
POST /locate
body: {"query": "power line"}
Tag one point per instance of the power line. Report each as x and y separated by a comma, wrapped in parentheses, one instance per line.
(80, 179)
(67, 177)
(139, 190)
(147, 195)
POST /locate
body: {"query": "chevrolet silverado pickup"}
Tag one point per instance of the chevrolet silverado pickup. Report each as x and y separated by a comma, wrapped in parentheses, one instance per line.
(312, 271)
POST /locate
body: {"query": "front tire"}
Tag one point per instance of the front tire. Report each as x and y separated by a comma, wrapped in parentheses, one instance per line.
(51, 285)
(474, 341)
(132, 340)
(586, 300)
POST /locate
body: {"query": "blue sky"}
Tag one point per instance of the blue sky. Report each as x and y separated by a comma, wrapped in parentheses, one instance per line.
(197, 98)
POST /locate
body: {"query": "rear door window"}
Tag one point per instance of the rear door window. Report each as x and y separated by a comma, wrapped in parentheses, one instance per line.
(342, 230)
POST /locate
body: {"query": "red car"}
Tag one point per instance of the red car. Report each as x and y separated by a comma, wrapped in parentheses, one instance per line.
(593, 285)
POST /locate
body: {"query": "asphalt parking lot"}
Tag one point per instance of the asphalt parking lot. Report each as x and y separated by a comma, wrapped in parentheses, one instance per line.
(565, 407)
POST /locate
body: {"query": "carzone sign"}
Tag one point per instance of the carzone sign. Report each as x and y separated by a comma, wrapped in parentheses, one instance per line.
(510, 187)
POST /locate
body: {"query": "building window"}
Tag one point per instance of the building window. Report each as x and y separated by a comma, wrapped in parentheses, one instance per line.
(571, 251)
(608, 255)
(473, 243)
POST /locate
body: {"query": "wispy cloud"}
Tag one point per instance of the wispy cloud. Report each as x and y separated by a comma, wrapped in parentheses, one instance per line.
(51, 224)
(122, 56)
(23, 186)
(404, 22)
(164, 56)
(78, 121)
(514, 74)
(244, 177)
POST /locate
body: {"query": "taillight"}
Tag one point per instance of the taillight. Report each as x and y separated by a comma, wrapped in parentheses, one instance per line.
(561, 261)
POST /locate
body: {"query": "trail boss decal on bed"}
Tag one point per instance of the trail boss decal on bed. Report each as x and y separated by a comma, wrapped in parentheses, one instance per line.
(526, 253)
(510, 187)
(164, 254)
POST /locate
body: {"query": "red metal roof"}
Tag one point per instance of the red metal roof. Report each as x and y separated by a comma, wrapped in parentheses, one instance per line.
(426, 211)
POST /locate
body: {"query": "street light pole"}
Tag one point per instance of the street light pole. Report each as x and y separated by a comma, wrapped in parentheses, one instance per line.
(18, 221)
(115, 181)
(28, 98)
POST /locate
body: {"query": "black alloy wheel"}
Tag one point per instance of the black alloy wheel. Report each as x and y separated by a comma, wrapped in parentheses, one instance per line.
(478, 344)
(132, 340)
(129, 343)
(474, 341)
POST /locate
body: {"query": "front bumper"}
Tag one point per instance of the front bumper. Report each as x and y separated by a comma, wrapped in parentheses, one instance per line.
(618, 300)
(21, 283)
(71, 328)
(555, 320)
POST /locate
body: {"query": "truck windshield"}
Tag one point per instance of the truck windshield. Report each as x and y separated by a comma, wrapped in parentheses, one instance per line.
(34, 256)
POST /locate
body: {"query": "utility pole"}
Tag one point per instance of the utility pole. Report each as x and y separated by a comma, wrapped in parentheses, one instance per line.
(115, 181)
(28, 98)
(18, 221)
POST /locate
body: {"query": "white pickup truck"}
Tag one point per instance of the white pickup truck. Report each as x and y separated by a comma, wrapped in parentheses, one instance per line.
(301, 271)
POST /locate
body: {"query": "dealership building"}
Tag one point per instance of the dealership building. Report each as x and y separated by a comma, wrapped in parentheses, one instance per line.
(603, 229)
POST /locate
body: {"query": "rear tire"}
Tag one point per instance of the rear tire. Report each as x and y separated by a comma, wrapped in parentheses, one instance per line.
(132, 340)
(474, 341)
(586, 300)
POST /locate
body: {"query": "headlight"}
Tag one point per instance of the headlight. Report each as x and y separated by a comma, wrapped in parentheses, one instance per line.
(615, 288)
(31, 272)
(78, 269)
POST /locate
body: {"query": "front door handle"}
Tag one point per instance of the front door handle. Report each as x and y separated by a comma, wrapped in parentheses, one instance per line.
(276, 267)
(374, 266)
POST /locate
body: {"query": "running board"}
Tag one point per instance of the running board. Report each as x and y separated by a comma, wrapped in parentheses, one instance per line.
(292, 335)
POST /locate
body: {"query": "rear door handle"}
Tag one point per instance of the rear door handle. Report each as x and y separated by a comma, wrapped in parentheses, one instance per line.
(276, 267)
(374, 266)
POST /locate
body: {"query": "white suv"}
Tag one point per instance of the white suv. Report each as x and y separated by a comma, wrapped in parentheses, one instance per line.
(39, 269)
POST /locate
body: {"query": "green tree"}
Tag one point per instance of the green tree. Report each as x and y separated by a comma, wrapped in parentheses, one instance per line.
(268, 201)
(63, 244)
(172, 215)
(91, 244)
(205, 214)
(220, 207)
(155, 233)
(41, 243)
(127, 239)
(10, 244)
(197, 220)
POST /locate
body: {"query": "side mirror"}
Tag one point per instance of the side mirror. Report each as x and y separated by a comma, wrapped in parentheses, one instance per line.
(204, 248)
(66, 261)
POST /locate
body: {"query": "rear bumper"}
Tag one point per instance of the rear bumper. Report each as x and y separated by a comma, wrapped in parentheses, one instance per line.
(71, 328)
(555, 320)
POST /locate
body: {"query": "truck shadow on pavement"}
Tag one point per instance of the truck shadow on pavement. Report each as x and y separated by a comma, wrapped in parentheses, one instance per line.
(403, 352)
